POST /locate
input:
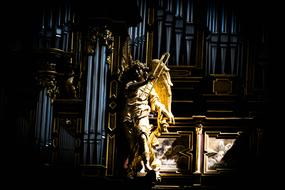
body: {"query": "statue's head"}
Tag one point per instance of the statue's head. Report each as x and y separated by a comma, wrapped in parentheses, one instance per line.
(137, 71)
(139, 66)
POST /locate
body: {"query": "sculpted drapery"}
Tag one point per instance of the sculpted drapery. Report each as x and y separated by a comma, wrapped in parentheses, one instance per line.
(147, 90)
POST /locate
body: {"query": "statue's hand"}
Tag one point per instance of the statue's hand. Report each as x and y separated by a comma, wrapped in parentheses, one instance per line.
(170, 117)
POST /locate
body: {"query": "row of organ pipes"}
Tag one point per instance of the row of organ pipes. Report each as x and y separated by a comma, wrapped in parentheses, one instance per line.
(175, 31)
(94, 125)
(54, 33)
(58, 31)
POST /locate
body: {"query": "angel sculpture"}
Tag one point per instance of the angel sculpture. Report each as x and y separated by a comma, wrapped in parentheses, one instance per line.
(147, 89)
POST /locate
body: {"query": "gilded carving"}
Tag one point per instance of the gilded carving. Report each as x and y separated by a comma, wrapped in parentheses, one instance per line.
(71, 85)
(147, 91)
(48, 80)
(105, 38)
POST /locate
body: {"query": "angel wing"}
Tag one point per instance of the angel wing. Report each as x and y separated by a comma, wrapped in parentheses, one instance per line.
(162, 83)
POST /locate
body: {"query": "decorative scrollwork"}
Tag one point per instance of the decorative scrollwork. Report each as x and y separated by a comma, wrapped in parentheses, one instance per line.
(47, 79)
(101, 34)
(46, 74)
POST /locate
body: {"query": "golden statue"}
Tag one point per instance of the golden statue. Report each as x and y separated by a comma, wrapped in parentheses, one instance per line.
(147, 90)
